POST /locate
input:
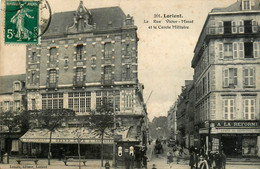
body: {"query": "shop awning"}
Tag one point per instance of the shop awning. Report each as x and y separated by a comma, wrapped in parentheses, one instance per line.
(72, 136)
(230, 130)
(65, 136)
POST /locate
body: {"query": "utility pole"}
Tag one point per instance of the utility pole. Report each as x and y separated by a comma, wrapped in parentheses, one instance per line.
(114, 130)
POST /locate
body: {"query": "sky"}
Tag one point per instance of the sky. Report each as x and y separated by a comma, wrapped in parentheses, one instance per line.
(164, 55)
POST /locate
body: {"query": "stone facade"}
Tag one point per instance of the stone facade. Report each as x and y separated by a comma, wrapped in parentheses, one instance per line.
(226, 65)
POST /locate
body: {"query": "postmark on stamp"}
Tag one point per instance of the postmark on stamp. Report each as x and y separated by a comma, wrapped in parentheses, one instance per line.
(22, 21)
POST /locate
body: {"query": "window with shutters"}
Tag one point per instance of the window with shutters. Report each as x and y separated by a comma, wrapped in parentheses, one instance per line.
(256, 49)
(229, 77)
(234, 27)
(241, 27)
(249, 77)
(228, 51)
(229, 108)
(248, 46)
(7, 106)
(17, 105)
(249, 109)
(227, 27)
(248, 26)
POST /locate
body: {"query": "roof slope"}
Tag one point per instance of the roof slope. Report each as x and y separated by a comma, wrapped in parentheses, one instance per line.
(6, 82)
(101, 16)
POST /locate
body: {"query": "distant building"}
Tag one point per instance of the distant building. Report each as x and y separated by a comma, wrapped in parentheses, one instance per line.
(87, 55)
(12, 100)
(226, 77)
(172, 121)
(183, 114)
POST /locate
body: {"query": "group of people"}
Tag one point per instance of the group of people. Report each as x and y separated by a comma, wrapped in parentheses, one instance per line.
(199, 159)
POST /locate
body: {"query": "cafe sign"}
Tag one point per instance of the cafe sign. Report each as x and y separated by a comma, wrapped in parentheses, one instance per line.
(237, 124)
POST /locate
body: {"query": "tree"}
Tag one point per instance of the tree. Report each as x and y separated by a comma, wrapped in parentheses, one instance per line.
(13, 122)
(51, 120)
(100, 120)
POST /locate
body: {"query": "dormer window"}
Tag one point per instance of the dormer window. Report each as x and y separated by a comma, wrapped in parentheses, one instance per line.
(246, 4)
(17, 86)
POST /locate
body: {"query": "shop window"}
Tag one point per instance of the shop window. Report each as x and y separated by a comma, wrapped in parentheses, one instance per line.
(249, 77)
(229, 109)
(229, 77)
(249, 146)
(249, 109)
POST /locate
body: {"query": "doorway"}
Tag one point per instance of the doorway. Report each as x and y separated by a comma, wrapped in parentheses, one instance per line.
(232, 146)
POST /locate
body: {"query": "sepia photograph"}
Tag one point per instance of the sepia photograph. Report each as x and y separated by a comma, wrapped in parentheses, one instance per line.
(130, 84)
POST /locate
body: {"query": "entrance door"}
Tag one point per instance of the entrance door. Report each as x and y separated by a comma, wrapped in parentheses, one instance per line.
(232, 146)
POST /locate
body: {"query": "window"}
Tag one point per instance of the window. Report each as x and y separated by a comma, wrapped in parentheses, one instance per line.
(53, 53)
(79, 75)
(128, 50)
(6, 105)
(256, 49)
(249, 77)
(108, 96)
(108, 50)
(33, 57)
(248, 26)
(128, 99)
(248, 49)
(246, 5)
(128, 72)
(228, 51)
(79, 49)
(17, 105)
(229, 77)
(249, 109)
(52, 101)
(229, 109)
(80, 101)
(33, 104)
(52, 76)
(107, 73)
(17, 86)
(33, 77)
(227, 27)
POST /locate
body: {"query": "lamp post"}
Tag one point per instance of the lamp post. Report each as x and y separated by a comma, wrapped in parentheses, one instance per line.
(114, 133)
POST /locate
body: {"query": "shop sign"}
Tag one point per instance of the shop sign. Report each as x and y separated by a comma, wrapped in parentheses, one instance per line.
(66, 140)
(237, 124)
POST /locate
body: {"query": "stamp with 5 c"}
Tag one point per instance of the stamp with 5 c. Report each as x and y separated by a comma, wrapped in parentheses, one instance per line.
(21, 21)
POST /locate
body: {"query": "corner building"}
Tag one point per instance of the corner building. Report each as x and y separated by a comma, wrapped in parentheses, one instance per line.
(84, 56)
(226, 66)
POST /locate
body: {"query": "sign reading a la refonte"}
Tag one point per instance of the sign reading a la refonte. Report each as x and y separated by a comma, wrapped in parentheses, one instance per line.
(237, 124)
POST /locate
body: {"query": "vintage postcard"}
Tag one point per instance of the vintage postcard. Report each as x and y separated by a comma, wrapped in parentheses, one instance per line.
(129, 84)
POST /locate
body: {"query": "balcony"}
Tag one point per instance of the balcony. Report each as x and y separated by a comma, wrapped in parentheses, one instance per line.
(232, 30)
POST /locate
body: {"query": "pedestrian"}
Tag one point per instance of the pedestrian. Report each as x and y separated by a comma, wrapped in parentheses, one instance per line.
(223, 157)
(145, 162)
(192, 160)
(107, 165)
(154, 166)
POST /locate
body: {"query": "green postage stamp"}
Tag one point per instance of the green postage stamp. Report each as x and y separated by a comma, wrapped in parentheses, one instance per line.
(21, 21)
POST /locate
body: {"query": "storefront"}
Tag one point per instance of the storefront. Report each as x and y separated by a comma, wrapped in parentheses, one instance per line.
(234, 138)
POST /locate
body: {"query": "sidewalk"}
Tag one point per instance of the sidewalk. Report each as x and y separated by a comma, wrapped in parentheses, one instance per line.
(243, 161)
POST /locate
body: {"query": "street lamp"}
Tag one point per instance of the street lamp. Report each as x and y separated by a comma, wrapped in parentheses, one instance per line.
(114, 128)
